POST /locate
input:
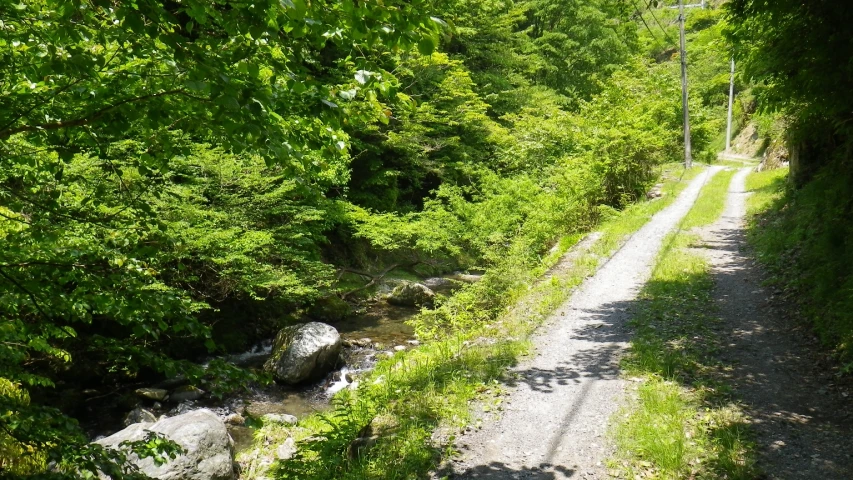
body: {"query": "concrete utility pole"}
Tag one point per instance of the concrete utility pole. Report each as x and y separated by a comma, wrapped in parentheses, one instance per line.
(688, 153)
(731, 101)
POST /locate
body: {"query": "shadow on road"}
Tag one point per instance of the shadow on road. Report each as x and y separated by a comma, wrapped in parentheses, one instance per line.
(501, 471)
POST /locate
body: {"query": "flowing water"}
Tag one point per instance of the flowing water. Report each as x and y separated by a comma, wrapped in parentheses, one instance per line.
(373, 331)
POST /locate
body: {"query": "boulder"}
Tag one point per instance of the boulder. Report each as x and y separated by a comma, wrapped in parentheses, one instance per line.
(259, 409)
(388, 284)
(411, 294)
(465, 277)
(358, 343)
(439, 283)
(156, 394)
(655, 192)
(209, 449)
(235, 419)
(304, 352)
(185, 394)
(139, 415)
(286, 450)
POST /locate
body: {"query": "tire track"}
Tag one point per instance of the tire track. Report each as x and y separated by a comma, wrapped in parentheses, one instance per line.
(555, 420)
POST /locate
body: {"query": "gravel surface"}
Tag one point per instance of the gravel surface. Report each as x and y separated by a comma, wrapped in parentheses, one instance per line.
(803, 421)
(555, 419)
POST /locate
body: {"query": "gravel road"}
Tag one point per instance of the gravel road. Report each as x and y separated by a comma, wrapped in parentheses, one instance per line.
(803, 421)
(555, 419)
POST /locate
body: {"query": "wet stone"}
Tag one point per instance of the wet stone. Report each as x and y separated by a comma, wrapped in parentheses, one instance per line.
(156, 394)
(282, 418)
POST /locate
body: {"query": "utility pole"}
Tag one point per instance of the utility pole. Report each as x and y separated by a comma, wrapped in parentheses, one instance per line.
(731, 101)
(688, 154)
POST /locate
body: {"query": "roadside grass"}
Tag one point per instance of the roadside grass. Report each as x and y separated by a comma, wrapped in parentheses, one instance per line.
(401, 419)
(682, 422)
(766, 188)
(803, 238)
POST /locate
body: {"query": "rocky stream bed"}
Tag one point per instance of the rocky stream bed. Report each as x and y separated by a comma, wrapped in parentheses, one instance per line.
(311, 362)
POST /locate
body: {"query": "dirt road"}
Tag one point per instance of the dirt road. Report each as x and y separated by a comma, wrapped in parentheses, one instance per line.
(804, 426)
(555, 420)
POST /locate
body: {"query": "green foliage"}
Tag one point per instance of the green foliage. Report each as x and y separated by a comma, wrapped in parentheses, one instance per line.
(797, 55)
(804, 237)
(82, 75)
(798, 52)
(111, 247)
(172, 170)
(15, 458)
(410, 395)
(252, 230)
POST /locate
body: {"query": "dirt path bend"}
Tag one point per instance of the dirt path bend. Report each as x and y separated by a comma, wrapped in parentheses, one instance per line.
(555, 420)
(804, 426)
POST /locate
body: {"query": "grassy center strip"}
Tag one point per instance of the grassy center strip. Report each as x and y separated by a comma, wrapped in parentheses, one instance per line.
(388, 426)
(682, 421)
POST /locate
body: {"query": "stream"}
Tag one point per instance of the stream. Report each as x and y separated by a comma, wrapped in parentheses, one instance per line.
(376, 328)
(375, 331)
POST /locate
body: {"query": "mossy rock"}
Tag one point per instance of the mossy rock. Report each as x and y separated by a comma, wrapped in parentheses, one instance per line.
(409, 294)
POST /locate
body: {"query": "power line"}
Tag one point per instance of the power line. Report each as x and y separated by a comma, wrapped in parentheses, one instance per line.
(647, 28)
(649, 8)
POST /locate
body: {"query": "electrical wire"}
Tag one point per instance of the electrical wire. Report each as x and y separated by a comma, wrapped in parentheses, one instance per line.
(649, 8)
(647, 27)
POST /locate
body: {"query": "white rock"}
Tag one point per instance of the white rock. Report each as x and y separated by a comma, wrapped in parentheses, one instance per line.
(209, 449)
(279, 418)
(286, 450)
(304, 352)
(139, 415)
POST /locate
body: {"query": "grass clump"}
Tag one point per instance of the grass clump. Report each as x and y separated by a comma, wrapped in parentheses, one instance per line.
(656, 432)
(399, 422)
(682, 422)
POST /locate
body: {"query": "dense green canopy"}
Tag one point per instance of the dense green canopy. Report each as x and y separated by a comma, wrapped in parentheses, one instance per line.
(179, 179)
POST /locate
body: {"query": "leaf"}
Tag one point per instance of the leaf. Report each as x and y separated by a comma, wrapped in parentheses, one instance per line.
(427, 45)
(198, 86)
(348, 94)
(439, 21)
(363, 76)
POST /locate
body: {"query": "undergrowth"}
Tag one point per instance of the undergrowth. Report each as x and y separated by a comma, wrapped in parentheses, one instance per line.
(805, 239)
(683, 422)
(385, 428)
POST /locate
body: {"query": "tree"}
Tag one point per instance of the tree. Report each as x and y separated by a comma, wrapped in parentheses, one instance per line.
(798, 53)
(97, 100)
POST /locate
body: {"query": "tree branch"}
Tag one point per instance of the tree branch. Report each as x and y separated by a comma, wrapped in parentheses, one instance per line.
(374, 278)
(92, 117)
(27, 292)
